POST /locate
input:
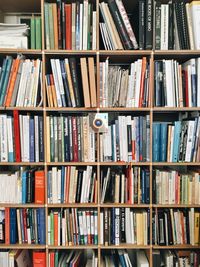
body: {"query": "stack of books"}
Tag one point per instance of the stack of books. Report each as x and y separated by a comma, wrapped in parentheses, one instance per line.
(116, 29)
(176, 142)
(70, 26)
(71, 227)
(14, 36)
(177, 85)
(23, 226)
(72, 185)
(124, 225)
(20, 82)
(176, 227)
(171, 187)
(127, 139)
(129, 186)
(63, 86)
(124, 86)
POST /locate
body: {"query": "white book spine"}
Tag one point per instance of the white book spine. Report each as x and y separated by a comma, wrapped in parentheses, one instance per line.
(190, 137)
(81, 27)
(94, 30)
(164, 26)
(55, 76)
(85, 24)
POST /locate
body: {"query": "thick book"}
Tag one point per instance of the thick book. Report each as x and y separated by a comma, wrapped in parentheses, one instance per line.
(39, 259)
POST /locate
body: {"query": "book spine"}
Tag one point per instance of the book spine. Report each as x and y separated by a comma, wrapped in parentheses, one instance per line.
(142, 24)
(149, 24)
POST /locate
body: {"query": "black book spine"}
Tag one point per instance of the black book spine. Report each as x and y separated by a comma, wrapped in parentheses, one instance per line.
(147, 177)
(60, 138)
(185, 25)
(79, 186)
(70, 138)
(169, 227)
(161, 228)
(158, 81)
(79, 138)
(149, 24)
(59, 15)
(76, 86)
(28, 187)
(157, 25)
(179, 24)
(122, 225)
(120, 25)
(41, 138)
(65, 83)
(171, 27)
(66, 139)
(141, 24)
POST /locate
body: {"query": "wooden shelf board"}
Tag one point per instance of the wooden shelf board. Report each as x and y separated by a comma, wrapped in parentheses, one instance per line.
(72, 163)
(115, 205)
(125, 52)
(22, 246)
(82, 109)
(74, 247)
(133, 109)
(176, 52)
(31, 205)
(175, 247)
(70, 52)
(176, 206)
(175, 109)
(73, 205)
(25, 108)
(125, 246)
(22, 163)
(175, 163)
(22, 51)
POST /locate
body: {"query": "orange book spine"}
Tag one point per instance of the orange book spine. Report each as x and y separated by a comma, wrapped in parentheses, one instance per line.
(39, 259)
(55, 217)
(55, 24)
(39, 187)
(144, 63)
(12, 82)
(68, 15)
(7, 226)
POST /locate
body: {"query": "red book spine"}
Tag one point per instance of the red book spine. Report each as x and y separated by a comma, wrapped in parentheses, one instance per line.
(75, 139)
(133, 149)
(17, 136)
(25, 226)
(144, 63)
(39, 187)
(39, 259)
(88, 227)
(56, 229)
(7, 226)
(68, 15)
(52, 259)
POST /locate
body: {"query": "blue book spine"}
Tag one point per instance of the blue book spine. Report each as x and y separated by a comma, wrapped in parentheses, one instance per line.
(3, 72)
(42, 226)
(32, 140)
(38, 225)
(177, 131)
(24, 189)
(62, 183)
(6, 80)
(13, 226)
(147, 200)
(163, 142)
(122, 260)
(156, 142)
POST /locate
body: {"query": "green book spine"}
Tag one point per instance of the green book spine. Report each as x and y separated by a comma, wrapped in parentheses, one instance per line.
(38, 34)
(46, 22)
(6, 80)
(51, 28)
(56, 259)
(51, 229)
(33, 32)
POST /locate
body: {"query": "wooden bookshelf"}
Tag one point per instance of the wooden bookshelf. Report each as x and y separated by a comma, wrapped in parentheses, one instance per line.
(33, 6)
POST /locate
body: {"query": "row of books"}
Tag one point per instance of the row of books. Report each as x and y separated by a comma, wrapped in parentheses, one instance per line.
(124, 225)
(20, 82)
(124, 258)
(116, 29)
(23, 186)
(70, 139)
(63, 86)
(171, 187)
(72, 185)
(177, 85)
(70, 26)
(130, 186)
(175, 258)
(68, 227)
(127, 139)
(176, 142)
(87, 258)
(176, 227)
(35, 35)
(22, 258)
(124, 86)
(22, 226)
(16, 132)
(176, 25)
